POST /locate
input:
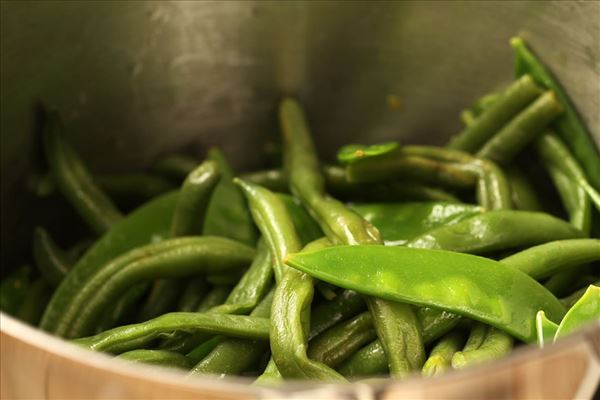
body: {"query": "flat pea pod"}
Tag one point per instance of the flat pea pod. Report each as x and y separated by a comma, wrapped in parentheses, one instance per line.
(14, 288)
(74, 180)
(130, 337)
(233, 356)
(171, 258)
(338, 343)
(148, 223)
(547, 259)
(505, 106)
(495, 345)
(133, 189)
(440, 358)
(50, 259)
(522, 129)
(488, 232)
(32, 307)
(490, 292)
(228, 213)
(569, 126)
(401, 222)
(175, 167)
(162, 358)
(523, 195)
(568, 178)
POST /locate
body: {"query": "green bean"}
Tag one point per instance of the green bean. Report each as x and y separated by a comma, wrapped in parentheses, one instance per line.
(51, 260)
(193, 293)
(228, 214)
(547, 259)
(571, 299)
(487, 232)
(168, 259)
(124, 309)
(569, 126)
(522, 129)
(204, 349)
(162, 298)
(510, 102)
(338, 343)
(522, 193)
(74, 180)
(175, 167)
(270, 376)
(161, 358)
(477, 335)
(32, 308)
(566, 281)
(568, 178)
(148, 223)
(294, 291)
(440, 358)
(132, 189)
(234, 356)
(14, 289)
(129, 337)
(327, 314)
(495, 345)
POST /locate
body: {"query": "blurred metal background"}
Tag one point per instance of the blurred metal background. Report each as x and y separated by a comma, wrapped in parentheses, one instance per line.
(140, 78)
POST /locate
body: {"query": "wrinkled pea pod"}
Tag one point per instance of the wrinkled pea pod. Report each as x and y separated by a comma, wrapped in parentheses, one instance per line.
(148, 223)
(293, 294)
(168, 259)
(161, 358)
(569, 125)
(505, 106)
(130, 337)
(50, 259)
(342, 225)
(74, 180)
(440, 358)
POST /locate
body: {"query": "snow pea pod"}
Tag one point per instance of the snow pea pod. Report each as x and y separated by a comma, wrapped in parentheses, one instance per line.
(490, 292)
(569, 126)
(440, 358)
(129, 337)
(75, 181)
(401, 222)
(148, 223)
(162, 358)
(522, 129)
(490, 232)
(50, 259)
(547, 259)
(505, 105)
(168, 259)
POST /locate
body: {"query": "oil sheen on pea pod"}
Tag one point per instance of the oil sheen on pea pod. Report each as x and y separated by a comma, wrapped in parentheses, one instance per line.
(401, 222)
(475, 287)
(149, 223)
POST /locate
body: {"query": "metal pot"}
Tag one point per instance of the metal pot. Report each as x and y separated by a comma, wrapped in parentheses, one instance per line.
(134, 80)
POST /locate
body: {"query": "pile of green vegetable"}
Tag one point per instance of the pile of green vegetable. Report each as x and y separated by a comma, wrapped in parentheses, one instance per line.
(397, 260)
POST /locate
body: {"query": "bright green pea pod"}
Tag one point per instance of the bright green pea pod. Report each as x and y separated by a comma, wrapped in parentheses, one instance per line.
(75, 181)
(401, 222)
(495, 345)
(50, 259)
(475, 287)
(547, 259)
(546, 329)
(150, 222)
(570, 127)
(32, 308)
(585, 311)
(497, 230)
(175, 166)
(440, 358)
(353, 152)
(228, 214)
(14, 288)
(129, 337)
(162, 358)
(133, 189)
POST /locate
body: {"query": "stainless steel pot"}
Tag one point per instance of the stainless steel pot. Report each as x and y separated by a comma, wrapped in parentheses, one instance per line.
(138, 79)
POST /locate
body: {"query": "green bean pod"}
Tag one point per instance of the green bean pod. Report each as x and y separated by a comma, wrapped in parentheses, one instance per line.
(522, 129)
(162, 358)
(74, 180)
(126, 308)
(495, 345)
(505, 106)
(523, 195)
(327, 314)
(51, 260)
(338, 343)
(193, 293)
(440, 358)
(130, 337)
(371, 360)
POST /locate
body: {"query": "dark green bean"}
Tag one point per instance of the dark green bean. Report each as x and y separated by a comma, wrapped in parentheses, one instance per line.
(126, 308)
(14, 288)
(162, 299)
(522, 129)
(440, 358)
(175, 167)
(162, 358)
(33, 305)
(505, 106)
(50, 259)
(327, 314)
(74, 180)
(132, 189)
(522, 193)
(193, 293)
